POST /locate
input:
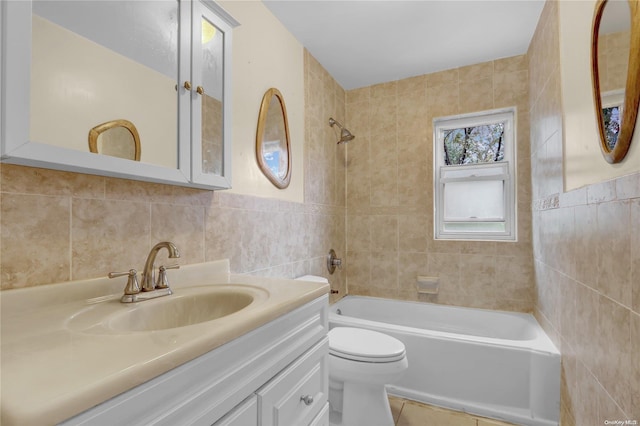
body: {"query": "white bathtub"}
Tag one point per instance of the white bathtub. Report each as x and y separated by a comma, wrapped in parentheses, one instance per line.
(490, 363)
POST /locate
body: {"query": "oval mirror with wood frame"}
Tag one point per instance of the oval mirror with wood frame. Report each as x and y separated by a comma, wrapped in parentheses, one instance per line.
(273, 148)
(615, 70)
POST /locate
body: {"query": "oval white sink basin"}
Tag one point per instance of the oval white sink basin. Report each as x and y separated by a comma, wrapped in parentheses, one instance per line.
(180, 311)
(187, 306)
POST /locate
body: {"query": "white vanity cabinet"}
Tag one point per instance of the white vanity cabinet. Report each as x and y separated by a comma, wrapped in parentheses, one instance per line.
(164, 67)
(274, 375)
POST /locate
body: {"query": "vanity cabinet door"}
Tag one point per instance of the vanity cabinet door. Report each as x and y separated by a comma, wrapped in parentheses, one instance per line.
(299, 393)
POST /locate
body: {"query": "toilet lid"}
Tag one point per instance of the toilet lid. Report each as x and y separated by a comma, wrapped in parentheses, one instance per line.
(359, 344)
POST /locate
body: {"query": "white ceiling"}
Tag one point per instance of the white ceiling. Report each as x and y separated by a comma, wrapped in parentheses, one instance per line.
(362, 43)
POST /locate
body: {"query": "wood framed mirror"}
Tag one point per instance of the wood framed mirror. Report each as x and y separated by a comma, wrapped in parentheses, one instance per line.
(615, 70)
(273, 147)
(117, 138)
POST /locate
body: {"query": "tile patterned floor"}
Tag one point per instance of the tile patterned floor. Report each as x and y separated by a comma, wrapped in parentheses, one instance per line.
(410, 413)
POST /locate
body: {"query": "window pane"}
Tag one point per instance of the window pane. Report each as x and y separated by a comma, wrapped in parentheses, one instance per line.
(479, 227)
(472, 145)
(474, 200)
(496, 170)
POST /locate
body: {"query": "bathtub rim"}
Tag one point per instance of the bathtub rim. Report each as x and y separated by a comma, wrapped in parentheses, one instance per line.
(540, 344)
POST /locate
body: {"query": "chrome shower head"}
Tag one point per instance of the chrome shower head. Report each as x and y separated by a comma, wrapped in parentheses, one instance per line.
(345, 135)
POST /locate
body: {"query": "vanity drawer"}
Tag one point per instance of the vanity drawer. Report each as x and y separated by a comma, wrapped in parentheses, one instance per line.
(322, 419)
(245, 414)
(299, 392)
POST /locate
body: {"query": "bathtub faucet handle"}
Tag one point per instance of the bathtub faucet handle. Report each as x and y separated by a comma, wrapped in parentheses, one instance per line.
(333, 261)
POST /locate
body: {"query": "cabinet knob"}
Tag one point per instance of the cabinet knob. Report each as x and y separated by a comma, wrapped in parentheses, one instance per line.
(200, 90)
(307, 399)
(187, 85)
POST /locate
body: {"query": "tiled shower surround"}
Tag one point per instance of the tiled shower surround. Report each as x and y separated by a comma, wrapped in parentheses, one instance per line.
(586, 247)
(576, 264)
(390, 187)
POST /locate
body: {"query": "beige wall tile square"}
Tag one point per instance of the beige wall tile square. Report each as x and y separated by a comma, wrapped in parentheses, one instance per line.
(587, 401)
(359, 232)
(511, 88)
(417, 84)
(476, 95)
(358, 271)
(35, 239)
(414, 232)
(634, 376)
(608, 410)
(384, 272)
(182, 225)
(384, 233)
(635, 255)
(514, 63)
(410, 266)
(384, 90)
(33, 180)
(120, 242)
(443, 100)
(479, 71)
(614, 351)
(447, 268)
(358, 95)
(614, 263)
(383, 116)
(443, 77)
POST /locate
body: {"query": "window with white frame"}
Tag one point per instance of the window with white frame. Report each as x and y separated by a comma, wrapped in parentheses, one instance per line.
(474, 176)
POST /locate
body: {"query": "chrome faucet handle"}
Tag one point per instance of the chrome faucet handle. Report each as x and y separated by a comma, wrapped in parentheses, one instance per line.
(333, 261)
(163, 281)
(132, 286)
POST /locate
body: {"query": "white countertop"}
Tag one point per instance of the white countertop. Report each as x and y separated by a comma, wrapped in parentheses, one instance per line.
(51, 371)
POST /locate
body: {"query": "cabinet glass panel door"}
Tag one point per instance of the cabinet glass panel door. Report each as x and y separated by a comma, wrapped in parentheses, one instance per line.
(209, 104)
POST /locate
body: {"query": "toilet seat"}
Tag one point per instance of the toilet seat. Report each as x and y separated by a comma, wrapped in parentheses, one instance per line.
(362, 345)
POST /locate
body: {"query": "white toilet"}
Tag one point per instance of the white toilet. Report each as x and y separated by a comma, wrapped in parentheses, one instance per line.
(361, 363)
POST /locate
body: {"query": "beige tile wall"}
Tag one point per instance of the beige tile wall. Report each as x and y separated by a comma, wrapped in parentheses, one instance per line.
(389, 190)
(58, 226)
(587, 259)
(613, 60)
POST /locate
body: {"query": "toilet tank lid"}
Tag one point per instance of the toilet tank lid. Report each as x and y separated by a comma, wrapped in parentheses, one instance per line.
(314, 278)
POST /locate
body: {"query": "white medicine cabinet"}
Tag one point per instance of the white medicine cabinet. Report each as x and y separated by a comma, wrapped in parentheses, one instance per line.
(162, 67)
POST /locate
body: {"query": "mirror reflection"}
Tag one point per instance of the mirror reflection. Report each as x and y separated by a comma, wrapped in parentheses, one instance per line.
(100, 59)
(615, 67)
(272, 139)
(614, 43)
(118, 138)
(211, 93)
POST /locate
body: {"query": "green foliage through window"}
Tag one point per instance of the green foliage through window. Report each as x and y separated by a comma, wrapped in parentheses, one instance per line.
(472, 145)
(611, 118)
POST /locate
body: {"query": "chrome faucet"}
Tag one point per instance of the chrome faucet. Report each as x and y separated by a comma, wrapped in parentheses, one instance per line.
(150, 288)
(148, 274)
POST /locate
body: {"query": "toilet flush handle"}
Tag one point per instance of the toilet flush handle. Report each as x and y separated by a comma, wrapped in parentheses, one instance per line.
(307, 399)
